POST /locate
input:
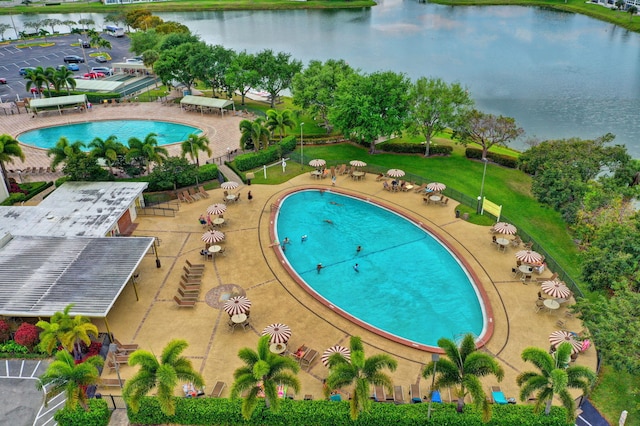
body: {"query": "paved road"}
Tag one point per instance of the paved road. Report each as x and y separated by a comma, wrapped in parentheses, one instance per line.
(12, 59)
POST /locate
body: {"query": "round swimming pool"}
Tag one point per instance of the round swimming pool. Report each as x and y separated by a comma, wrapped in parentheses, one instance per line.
(407, 284)
(167, 132)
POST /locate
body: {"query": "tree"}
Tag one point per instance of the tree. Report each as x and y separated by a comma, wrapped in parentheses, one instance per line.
(43, 33)
(359, 372)
(117, 18)
(108, 149)
(279, 120)
(3, 29)
(80, 330)
(369, 106)
(464, 367)
(314, 89)
(180, 64)
(96, 41)
(149, 58)
(173, 172)
(54, 329)
(63, 150)
(142, 41)
(64, 375)
(276, 72)
(162, 375)
(193, 145)
(63, 77)
(69, 23)
(243, 74)
(263, 372)
(86, 23)
(487, 130)
(619, 4)
(9, 150)
(147, 150)
(169, 27)
(51, 22)
(132, 17)
(214, 66)
(554, 378)
(632, 11)
(436, 106)
(254, 134)
(84, 168)
(36, 78)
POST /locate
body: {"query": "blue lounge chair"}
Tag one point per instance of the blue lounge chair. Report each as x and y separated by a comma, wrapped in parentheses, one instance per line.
(435, 396)
(498, 395)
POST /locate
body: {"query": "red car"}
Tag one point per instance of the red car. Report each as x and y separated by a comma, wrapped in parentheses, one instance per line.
(94, 75)
(35, 90)
(3, 80)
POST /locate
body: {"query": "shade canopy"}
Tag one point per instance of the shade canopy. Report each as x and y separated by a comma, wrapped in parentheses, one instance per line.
(558, 337)
(395, 172)
(505, 228)
(436, 186)
(317, 162)
(345, 352)
(529, 256)
(556, 289)
(212, 236)
(218, 208)
(357, 163)
(280, 333)
(237, 305)
(229, 185)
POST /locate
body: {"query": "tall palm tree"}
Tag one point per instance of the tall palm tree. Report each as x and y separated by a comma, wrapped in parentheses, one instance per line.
(263, 371)
(464, 366)
(64, 375)
(254, 133)
(555, 378)
(63, 150)
(108, 149)
(193, 145)
(9, 151)
(163, 375)
(279, 120)
(36, 78)
(63, 77)
(54, 329)
(80, 330)
(361, 372)
(147, 150)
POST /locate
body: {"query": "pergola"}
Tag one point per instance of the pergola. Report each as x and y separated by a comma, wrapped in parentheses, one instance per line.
(204, 104)
(98, 85)
(59, 103)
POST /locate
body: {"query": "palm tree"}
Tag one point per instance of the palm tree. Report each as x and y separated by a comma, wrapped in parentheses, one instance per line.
(193, 145)
(64, 374)
(279, 120)
(149, 58)
(361, 372)
(632, 11)
(147, 150)
(63, 150)
(63, 76)
(464, 366)
(554, 378)
(103, 44)
(108, 150)
(80, 330)
(163, 375)
(9, 150)
(54, 329)
(36, 78)
(254, 133)
(263, 371)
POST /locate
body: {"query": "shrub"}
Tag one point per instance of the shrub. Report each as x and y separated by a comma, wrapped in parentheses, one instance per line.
(12, 347)
(13, 199)
(503, 160)
(27, 335)
(98, 415)
(252, 160)
(5, 331)
(415, 148)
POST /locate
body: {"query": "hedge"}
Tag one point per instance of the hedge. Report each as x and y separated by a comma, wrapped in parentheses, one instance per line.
(93, 97)
(222, 411)
(33, 189)
(414, 148)
(252, 160)
(503, 160)
(98, 415)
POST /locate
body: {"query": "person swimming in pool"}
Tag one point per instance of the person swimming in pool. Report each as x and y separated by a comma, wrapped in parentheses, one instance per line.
(356, 268)
(303, 238)
(329, 221)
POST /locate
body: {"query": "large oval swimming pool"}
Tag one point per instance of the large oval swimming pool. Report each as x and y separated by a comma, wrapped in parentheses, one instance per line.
(168, 133)
(407, 284)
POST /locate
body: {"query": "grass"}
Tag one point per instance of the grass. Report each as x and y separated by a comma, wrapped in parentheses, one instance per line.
(611, 396)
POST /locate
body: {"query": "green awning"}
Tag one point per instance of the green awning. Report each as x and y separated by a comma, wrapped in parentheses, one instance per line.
(57, 102)
(206, 102)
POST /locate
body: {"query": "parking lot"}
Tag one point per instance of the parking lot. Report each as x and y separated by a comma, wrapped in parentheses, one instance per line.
(12, 59)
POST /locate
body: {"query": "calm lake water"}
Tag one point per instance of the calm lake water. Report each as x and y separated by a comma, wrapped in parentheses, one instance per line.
(559, 74)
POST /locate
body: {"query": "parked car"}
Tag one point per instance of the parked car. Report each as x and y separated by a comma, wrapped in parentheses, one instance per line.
(70, 67)
(94, 75)
(3, 80)
(103, 70)
(136, 60)
(85, 44)
(73, 59)
(101, 59)
(25, 70)
(35, 90)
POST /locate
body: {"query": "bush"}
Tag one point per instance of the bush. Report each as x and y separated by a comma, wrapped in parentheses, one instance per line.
(252, 160)
(5, 331)
(12, 347)
(14, 199)
(414, 148)
(27, 335)
(503, 160)
(98, 415)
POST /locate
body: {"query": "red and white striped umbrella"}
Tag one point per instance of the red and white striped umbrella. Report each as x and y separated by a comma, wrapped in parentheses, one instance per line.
(229, 185)
(556, 289)
(317, 162)
(212, 236)
(436, 186)
(395, 173)
(333, 350)
(505, 228)
(237, 305)
(558, 337)
(528, 256)
(280, 333)
(217, 208)
(357, 163)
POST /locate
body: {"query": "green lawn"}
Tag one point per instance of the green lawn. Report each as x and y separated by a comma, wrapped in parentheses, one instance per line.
(612, 395)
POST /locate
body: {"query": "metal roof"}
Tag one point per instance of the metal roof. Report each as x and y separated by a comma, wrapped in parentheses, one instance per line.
(87, 209)
(59, 100)
(42, 275)
(130, 65)
(206, 102)
(98, 85)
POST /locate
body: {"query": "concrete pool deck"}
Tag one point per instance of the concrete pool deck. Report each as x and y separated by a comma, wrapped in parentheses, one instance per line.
(251, 267)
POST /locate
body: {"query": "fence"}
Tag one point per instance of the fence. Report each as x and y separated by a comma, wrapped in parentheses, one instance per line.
(114, 402)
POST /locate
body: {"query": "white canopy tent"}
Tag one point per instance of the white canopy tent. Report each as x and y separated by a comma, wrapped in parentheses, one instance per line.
(206, 104)
(60, 103)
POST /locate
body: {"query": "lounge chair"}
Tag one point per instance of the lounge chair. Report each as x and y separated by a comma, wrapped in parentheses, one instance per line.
(189, 287)
(202, 192)
(111, 382)
(539, 305)
(189, 294)
(194, 194)
(194, 266)
(551, 278)
(436, 397)
(398, 395)
(308, 358)
(216, 392)
(414, 392)
(184, 303)
(498, 396)
(192, 272)
(182, 198)
(379, 394)
(420, 188)
(128, 348)
(187, 197)
(516, 241)
(386, 186)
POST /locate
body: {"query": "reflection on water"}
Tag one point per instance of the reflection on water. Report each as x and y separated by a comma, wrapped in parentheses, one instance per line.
(559, 74)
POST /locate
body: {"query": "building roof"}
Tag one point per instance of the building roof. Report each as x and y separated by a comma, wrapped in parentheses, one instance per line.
(206, 102)
(98, 85)
(42, 275)
(130, 66)
(57, 101)
(87, 209)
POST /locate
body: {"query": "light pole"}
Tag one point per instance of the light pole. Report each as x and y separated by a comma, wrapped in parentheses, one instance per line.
(301, 146)
(484, 173)
(194, 157)
(435, 358)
